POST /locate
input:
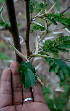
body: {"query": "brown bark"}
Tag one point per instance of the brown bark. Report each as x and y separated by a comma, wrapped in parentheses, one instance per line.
(14, 29)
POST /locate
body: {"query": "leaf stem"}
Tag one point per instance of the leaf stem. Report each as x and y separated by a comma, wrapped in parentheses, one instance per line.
(14, 29)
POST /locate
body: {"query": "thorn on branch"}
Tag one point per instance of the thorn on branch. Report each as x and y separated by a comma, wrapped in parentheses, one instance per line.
(19, 53)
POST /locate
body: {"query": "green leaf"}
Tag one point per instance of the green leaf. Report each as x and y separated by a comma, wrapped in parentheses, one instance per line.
(43, 53)
(59, 67)
(30, 66)
(55, 54)
(31, 7)
(50, 103)
(22, 77)
(60, 44)
(7, 23)
(51, 62)
(2, 23)
(22, 67)
(63, 46)
(36, 27)
(40, 7)
(61, 75)
(29, 78)
(48, 59)
(45, 90)
(66, 72)
(49, 43)
(36, 6)
(55, 67)
(51, 69)
(61, 64)
(52, 20)
(53, 17)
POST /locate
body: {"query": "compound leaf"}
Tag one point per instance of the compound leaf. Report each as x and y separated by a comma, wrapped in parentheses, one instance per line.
(36, 6)
(57, 17)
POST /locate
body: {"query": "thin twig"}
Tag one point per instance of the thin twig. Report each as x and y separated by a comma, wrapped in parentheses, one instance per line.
(27, 25)
(39, 80)
(14, 29)
(36, 16)
(51, 9)
(65, 10)
(43, 37)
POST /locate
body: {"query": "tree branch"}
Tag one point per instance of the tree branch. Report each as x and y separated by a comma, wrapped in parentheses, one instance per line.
(14, 29)
(27, 25)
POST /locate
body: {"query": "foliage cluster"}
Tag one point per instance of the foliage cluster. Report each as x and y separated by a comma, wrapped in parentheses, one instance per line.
(36, 6)
(53, 17)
